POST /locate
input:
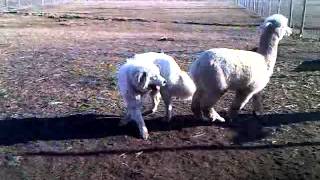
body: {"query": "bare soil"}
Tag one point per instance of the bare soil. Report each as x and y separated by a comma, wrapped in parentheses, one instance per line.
(60, 106)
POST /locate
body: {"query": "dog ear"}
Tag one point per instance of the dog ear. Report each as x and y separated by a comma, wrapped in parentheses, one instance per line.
(142, 80)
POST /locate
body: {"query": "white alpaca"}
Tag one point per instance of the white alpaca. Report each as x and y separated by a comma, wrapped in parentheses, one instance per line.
(179, 84)
(219, 70)
(134, 80)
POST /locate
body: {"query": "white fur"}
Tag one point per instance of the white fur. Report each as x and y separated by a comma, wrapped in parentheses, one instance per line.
(219, 70)
(134, 80)
(179, 84)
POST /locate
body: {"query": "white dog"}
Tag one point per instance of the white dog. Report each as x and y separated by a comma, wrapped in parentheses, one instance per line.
(179, 84)
(135, 78)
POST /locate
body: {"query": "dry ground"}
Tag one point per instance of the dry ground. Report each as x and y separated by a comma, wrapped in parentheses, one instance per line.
(60, 106)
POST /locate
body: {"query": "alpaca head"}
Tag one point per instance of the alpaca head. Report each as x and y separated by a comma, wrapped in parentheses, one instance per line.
(278, 24)
(185, 87)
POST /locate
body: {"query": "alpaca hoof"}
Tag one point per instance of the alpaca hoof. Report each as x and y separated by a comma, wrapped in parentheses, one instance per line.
(220, 119)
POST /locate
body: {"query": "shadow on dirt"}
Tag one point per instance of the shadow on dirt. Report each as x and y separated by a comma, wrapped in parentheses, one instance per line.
(250, 128)
(89, 126)
(205, 147)
(309, 65)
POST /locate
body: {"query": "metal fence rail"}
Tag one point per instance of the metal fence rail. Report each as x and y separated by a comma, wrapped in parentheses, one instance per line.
(304, 15)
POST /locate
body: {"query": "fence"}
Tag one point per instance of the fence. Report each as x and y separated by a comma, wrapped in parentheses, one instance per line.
(10, 5)
(303, 15)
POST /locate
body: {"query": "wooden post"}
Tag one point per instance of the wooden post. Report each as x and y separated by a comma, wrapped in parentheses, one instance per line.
(303, 17)
(291, 13)
(279, 6)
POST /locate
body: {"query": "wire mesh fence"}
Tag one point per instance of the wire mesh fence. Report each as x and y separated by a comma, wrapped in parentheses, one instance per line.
(303, 14)
(11, 5)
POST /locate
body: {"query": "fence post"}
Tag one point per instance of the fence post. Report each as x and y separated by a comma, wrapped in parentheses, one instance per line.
(270, 7)
(263, 8)
(303, 17)
(291, 14)
(6, 4)
(279, 6)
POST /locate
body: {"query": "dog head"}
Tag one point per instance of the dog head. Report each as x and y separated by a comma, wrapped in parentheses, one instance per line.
(148, 77)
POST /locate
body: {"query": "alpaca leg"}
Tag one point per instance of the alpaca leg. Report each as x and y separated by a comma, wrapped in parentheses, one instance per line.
(155, 97)
(257, 103)
(195, 105)
(241, 99)
(167, 99)
(208, 100)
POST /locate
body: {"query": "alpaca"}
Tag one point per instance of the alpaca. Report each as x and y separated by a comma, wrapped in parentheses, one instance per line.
(179, 84)
(134, 80)
(247, 73)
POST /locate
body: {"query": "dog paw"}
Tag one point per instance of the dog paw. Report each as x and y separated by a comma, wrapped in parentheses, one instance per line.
(213, 119)
(145, 134)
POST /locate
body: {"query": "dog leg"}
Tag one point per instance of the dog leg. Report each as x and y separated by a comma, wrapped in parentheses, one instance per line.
(155, 96)
(165, 94)
(137, 117)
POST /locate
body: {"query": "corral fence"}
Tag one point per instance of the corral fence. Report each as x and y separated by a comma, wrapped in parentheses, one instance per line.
(12, 5)
(303, 15)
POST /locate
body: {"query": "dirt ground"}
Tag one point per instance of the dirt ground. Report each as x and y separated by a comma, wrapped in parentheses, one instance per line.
(60, 106)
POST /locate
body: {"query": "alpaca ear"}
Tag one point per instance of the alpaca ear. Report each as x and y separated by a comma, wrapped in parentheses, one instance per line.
(142, 80)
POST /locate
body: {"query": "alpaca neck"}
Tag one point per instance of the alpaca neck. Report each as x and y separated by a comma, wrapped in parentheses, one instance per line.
(268, 47)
